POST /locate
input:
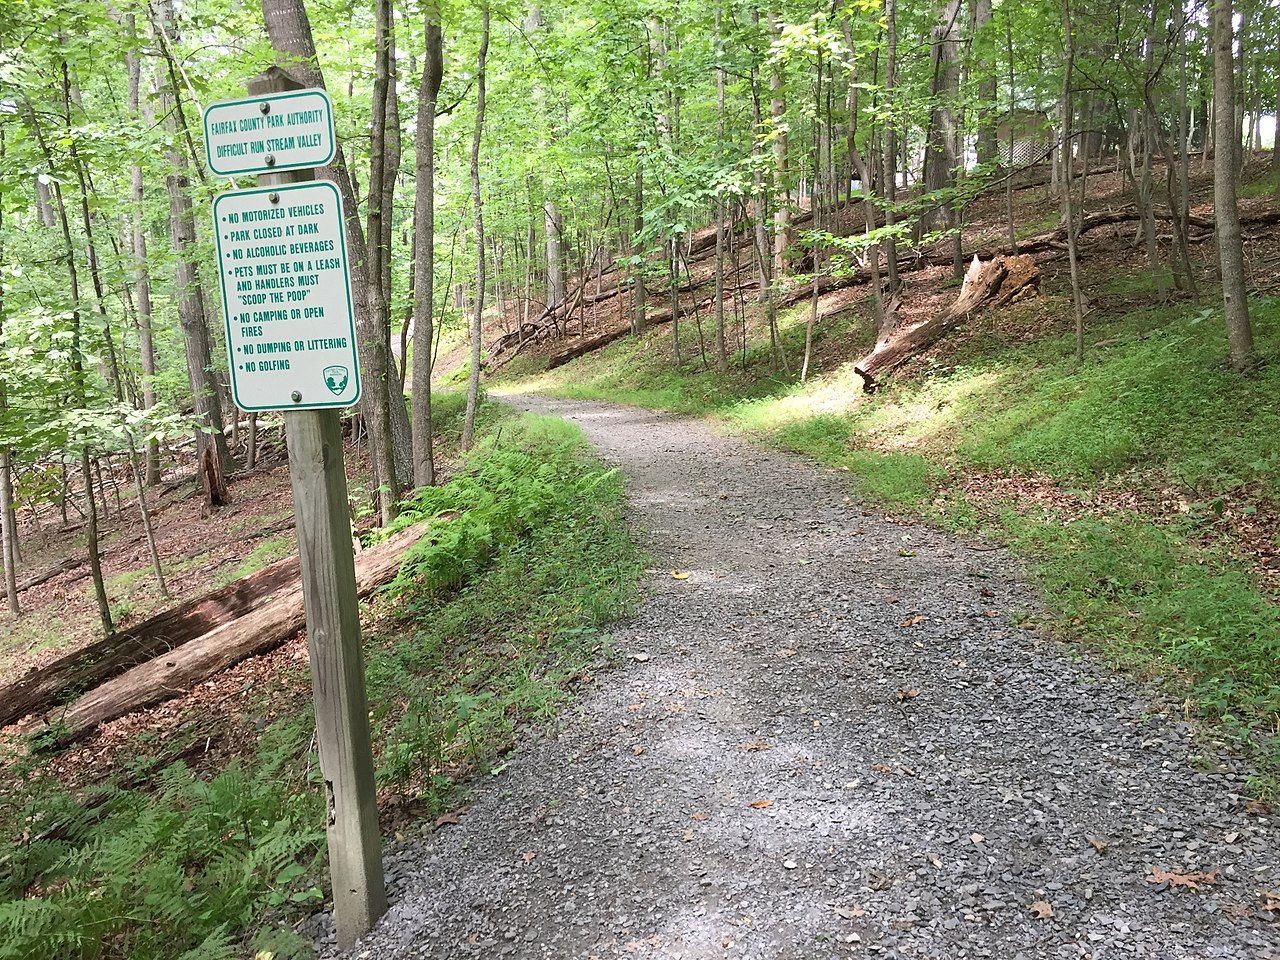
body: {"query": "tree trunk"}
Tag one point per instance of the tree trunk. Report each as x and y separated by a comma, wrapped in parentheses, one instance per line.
(477, 314)
(211, 446)
(8, 529)
(721, 353)
(638, 305)
(781, 189)
(1068, 213)
(78, 381)
(1226, 213)
(138, 245)
(987, 146)
(289, 30)
(889, 190)
(379, 253)
(424, 233)
(940, 153)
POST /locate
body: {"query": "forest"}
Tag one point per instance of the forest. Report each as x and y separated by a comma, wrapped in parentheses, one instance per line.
(997, 281)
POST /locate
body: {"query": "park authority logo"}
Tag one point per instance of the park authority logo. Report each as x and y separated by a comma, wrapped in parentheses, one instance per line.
(335, 378)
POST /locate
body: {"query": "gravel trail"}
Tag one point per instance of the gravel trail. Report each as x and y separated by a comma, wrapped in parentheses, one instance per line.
(833, 739)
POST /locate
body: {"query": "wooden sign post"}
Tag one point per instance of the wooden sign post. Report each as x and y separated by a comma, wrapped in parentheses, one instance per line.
(299, 325)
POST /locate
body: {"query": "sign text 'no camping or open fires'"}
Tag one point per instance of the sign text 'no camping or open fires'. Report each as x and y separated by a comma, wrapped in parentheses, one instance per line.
(286, 297)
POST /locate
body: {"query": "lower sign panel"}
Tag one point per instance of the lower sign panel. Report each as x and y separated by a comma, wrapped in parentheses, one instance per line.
(286, 297)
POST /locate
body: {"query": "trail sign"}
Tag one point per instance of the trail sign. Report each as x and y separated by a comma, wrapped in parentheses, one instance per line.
(269, 134)
(286, 297)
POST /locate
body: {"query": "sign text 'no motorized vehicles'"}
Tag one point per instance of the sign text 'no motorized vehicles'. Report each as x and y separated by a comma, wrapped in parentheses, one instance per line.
(286, 296)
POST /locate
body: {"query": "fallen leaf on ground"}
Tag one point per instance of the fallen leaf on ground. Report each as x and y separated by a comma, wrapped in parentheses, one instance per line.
(700, 815)
(906, 553)
(688, 836)
(882, 768)
(912, 621)
(446, 818)
(905, 694)
(786, 652)
(1190, 881)
(680, 574)
(1098, 844)
(892, 598)
(761, 804)
(637, 749)
(755, 746)
(849, 913)
(1042, 909)
(1259, 808)
(528, 856)
(1271, 901)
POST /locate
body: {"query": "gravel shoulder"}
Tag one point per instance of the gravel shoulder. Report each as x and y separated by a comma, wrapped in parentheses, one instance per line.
(833, 739)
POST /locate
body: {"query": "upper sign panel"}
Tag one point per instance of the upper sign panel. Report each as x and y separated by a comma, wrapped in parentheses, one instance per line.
(282, 131)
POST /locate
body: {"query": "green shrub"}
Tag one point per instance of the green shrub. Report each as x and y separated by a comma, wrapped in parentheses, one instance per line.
(179, 872)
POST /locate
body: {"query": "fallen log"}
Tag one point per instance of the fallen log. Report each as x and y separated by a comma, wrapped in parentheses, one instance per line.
(986, 284)
(44, 688)
(272, 621)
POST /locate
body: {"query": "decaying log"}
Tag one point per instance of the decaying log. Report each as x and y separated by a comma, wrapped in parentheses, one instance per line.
(991, 283)
(44, 688)
(273, 620)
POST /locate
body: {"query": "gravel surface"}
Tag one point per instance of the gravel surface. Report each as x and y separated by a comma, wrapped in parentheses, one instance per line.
(832, 739)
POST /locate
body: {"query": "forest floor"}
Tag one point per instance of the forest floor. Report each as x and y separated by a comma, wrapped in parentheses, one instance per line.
(199, 549)
(835, 733)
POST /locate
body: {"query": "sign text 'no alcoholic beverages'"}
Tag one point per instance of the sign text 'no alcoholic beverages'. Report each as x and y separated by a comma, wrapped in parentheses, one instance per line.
(286, 296)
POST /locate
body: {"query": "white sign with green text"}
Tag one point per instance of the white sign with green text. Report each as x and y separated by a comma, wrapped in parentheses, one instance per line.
(286, 297)
(272, 134)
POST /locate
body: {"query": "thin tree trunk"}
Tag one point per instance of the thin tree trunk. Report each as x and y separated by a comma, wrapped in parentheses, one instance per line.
(638, 285)
(1068, 214)
(138, 244)
(1225, 211)
(141, 488)
(424, 232)
(379, 253)
(1008, 181)
(477, 315)
(78, 380)
(721, 353)
(8, 529)
(889, 190)
(782, 199)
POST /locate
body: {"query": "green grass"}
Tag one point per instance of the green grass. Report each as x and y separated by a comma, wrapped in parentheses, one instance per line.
(493, 617)
(1153, 408)
(1264, 186)
(264, 553)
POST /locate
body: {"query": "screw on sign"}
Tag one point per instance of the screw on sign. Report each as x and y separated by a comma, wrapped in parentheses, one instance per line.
(290, 321)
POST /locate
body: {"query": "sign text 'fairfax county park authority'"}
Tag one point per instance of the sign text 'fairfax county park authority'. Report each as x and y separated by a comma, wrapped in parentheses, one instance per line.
(286, 297)
(271, 134)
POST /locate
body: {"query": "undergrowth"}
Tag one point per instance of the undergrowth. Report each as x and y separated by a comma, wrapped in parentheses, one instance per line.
(1154, 409)
(500, 607)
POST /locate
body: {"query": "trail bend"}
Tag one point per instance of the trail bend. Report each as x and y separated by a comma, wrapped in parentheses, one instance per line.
(833, 739)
